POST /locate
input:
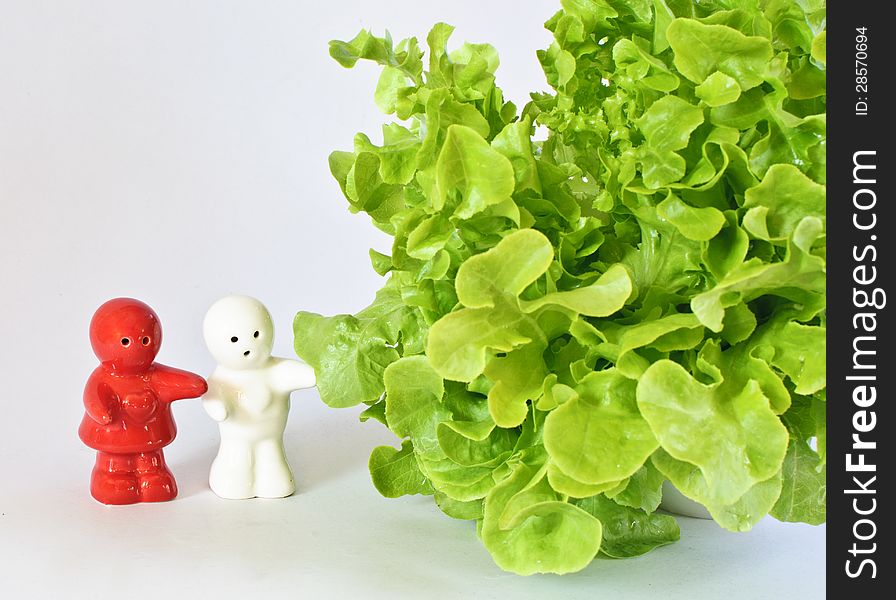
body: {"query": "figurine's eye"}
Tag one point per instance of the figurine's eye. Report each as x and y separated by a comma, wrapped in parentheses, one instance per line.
(234, 339)
(125, 342)
(145, 340)
(255, 335)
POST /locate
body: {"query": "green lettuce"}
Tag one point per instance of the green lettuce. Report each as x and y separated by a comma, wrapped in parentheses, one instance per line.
(621, 284)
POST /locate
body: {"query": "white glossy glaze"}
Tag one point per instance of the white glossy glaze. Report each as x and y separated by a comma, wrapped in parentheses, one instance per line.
(248, 396)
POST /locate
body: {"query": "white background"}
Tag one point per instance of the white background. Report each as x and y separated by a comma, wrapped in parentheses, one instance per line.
(177, 152)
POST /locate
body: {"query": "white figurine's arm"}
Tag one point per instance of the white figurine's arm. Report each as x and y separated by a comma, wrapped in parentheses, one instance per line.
(289, 375)
(214, 401)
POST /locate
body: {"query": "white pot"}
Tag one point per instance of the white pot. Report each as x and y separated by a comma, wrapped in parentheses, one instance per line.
(679, 504)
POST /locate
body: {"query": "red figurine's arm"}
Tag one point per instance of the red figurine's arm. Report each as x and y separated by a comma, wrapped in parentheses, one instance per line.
(100, 402)
(173, 384)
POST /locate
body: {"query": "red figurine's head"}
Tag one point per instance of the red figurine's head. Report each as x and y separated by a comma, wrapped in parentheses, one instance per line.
(125, 335)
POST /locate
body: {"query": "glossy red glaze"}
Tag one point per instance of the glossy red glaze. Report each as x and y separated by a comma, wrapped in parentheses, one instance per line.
(127, 402)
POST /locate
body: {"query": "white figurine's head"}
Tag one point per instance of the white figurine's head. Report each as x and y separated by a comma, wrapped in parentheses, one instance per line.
(239, 332)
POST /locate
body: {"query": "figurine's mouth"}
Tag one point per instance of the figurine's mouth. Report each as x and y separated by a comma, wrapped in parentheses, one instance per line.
(246, 353)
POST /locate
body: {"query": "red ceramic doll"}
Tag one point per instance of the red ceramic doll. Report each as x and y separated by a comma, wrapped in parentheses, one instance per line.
(127, 404)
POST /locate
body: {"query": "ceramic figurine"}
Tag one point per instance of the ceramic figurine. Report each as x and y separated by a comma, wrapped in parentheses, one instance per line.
(249, 398)
(128, 405)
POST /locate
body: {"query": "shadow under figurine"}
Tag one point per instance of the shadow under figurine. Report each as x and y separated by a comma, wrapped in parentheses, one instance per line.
(127, 401)
(249, 398)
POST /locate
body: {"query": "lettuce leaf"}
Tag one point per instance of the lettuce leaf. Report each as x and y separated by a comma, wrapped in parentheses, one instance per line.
(634, 295)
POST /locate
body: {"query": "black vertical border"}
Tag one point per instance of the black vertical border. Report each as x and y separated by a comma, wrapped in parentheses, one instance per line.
(848, 133)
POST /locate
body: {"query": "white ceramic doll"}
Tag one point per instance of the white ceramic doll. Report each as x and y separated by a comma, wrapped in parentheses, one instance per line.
(248, 395)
